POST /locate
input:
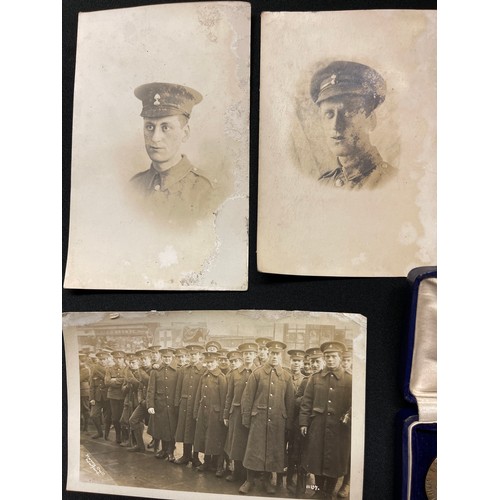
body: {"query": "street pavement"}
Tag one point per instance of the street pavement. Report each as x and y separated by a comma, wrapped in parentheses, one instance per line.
(105, 462)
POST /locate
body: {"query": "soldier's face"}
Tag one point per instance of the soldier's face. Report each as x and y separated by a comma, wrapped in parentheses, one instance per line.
(167, 359)
(183, 359)
(249, 356)
(163, 137)
(212, 364)
(307, 368)
(195, 357)
(346, 363)
(296, 365)
(146, 361)
(134, 364)
(274, 358)
(156, 356)
(346, 125)
(120, 362)
(317, 364)
(223, 362)
(235, 363)
(332, 359)
(263, 353)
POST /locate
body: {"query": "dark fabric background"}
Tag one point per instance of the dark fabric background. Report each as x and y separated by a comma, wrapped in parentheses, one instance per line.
(384, 301)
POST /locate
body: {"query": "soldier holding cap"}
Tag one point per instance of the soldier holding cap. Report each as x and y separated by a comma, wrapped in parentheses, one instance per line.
(166, 109)
(324, 418)
(267, 408)
(189, 378)
(347, 94)
(114, 380)
(237, 435)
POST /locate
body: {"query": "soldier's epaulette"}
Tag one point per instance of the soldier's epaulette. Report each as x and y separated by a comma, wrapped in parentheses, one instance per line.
(201, 173)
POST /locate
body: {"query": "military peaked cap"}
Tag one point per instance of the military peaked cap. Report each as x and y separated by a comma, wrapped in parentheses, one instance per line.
(341, 78)
(166, 99)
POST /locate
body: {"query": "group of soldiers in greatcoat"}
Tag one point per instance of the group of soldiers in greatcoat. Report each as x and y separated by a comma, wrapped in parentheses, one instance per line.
(246, 415)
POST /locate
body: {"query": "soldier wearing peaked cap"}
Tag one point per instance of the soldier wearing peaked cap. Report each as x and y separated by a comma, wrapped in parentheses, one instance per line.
(324, 419)
(267, 408)
(210, 433)
(347, 94)
(114, 380)
(212, 346)
(189, 378)
(100, 409)
(171, 179)
(262, 350)
(85, 375)
(160, 402)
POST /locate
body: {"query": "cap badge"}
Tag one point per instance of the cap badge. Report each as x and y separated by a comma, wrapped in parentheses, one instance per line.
(333, 79)
(157, 100)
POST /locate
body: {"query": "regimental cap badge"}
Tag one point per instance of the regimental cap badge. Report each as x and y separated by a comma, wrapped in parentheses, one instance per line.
(157, 100)
(333, 79)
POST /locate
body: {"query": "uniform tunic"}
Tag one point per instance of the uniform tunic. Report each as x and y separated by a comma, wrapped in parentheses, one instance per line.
(115, 390)
(237, 434)
(267, 407)
(184, 399)
(182, 189)
(327, 399)
(161, 396)
(98, 393)
(367, 171)
(210, 433)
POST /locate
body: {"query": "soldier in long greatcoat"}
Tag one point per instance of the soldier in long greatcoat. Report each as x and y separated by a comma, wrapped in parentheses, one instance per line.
(292, 445)
(237, 436)
(267, 407)
(184, 399)
(210, 433)
(324, 418)
(160, 401)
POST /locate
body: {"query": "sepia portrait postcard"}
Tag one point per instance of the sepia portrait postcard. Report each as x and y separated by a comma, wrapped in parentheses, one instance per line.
(199, 404)
(160, 160)
(347, 149)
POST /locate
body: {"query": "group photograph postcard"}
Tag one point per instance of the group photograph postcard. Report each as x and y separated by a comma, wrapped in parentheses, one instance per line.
(160, 149)
(347, 145)
(198, 404)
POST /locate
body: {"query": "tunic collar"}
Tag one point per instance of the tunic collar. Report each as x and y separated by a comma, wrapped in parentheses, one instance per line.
(215, 373)
(338, 372)
(173, 175)
(242, 368)
(268, 368)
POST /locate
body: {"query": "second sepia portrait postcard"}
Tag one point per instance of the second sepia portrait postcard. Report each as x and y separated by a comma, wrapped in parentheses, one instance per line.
(159, 174)
(347, 150)
(204, 404)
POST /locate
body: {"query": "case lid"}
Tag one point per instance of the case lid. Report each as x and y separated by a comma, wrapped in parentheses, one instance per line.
(420, 381)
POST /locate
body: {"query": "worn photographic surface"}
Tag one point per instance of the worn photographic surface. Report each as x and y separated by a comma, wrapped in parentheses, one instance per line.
(159, 174)
(199, 404)
(347, 151)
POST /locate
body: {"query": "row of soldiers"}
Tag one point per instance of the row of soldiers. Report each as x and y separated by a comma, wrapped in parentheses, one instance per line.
(242, 410)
